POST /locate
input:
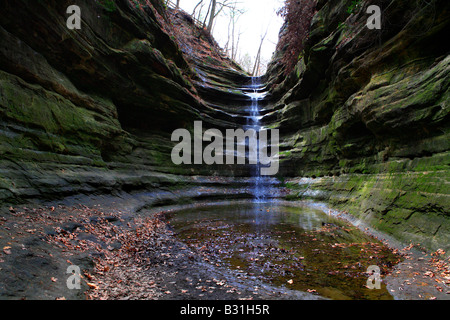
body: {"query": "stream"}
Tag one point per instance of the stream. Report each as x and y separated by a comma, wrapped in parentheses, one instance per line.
(287, 245)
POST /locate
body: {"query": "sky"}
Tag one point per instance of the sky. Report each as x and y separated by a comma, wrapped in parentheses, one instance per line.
(259, 16)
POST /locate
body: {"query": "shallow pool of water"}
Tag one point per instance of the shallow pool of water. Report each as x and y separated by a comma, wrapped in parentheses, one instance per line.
(298, 247)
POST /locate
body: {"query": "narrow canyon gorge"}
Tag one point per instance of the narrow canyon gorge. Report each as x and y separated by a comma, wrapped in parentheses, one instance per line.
(87, 175)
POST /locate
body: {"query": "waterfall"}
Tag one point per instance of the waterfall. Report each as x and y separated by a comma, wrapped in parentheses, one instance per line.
(259, 189)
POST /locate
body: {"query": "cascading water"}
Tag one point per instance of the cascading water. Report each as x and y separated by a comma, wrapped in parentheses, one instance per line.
(253, 122)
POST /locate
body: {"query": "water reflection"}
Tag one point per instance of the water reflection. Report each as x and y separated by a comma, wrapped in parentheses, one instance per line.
(301, 248)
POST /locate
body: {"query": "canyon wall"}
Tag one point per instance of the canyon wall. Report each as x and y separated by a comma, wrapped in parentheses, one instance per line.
(364, 116)
(92, 110)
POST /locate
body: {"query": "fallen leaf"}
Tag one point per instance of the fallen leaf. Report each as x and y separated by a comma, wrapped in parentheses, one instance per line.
(92, 285)
(429, 273)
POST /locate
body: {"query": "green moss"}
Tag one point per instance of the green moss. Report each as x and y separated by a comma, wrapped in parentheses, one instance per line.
(354, 6)
(110, 6)
(285, 153)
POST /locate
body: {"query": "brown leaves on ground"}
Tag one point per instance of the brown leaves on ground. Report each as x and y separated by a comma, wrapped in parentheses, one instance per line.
(440, 270)
(195, 42)
(122, 248)
(7, 250)
(117, 243)
(429, 271)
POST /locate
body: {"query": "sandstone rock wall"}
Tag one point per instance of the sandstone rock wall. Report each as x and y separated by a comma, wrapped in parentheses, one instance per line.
(365, 115)
(92, 110)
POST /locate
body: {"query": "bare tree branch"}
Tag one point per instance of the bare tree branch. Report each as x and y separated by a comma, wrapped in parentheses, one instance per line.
(195, 9)
(212, 15)
(258, 56)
